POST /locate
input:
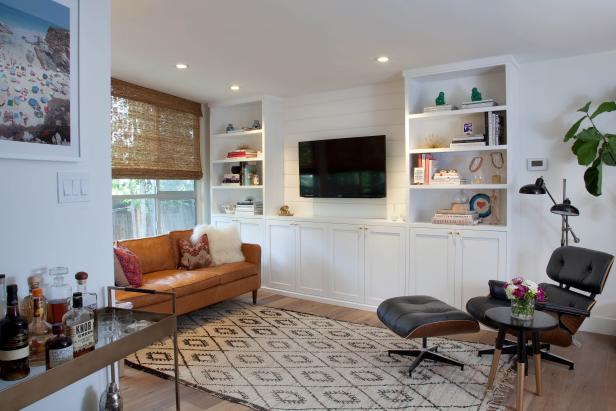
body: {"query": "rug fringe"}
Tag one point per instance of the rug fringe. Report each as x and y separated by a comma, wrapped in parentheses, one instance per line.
(500, 393)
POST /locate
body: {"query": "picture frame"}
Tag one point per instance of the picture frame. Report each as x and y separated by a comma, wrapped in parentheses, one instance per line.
(39, 80)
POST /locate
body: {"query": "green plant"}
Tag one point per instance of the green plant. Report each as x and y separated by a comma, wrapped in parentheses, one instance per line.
(592, 147)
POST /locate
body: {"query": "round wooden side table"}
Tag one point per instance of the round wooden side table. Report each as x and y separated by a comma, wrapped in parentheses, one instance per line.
(540, 322)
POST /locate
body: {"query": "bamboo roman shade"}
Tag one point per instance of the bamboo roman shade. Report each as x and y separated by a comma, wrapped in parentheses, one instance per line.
(153, 134)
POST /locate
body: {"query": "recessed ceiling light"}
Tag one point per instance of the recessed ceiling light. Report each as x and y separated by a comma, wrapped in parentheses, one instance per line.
(234, 87)
(382, 59)
(181, 66)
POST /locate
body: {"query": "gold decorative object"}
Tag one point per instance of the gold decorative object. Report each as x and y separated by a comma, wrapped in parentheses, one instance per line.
(434, 141)
(285, 211)
(498, 161)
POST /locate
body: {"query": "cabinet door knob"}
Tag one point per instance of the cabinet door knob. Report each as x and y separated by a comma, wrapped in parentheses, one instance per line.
(450, 233)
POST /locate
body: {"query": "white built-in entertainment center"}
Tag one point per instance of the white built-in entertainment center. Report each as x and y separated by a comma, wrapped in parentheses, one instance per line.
(360, 261)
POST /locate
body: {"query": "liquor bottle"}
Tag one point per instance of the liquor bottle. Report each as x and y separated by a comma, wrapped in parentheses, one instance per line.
(59, 348)
(58, 295)
(2, 294)
(26, 306)
(38, 330)
(14, 348)
(79, 323)
(90, 300)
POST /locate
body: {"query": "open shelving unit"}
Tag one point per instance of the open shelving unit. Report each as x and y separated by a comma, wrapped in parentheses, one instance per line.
(494, 78)
(267, 141)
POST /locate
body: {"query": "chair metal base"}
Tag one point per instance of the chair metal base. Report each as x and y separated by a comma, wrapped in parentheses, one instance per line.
(509, 347)
(548, 356)
(425, 354)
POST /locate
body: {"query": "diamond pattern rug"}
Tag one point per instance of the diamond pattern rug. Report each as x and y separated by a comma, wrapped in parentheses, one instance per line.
(274, 359)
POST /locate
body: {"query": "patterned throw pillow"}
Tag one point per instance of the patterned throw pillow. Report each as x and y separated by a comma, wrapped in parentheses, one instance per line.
(195, 256)
(130, 265)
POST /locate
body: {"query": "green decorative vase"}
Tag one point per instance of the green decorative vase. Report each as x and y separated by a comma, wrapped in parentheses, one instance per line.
(523, 309)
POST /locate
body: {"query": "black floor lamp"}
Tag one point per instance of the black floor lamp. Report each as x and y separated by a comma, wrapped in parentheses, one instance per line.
(564, 209)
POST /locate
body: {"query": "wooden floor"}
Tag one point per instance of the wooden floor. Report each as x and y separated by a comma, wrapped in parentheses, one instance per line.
(591, 386)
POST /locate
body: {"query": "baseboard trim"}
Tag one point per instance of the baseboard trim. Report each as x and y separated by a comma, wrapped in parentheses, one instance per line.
(600, 325)
(320, 299)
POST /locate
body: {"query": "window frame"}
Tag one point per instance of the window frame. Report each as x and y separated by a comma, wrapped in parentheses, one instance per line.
(161, 196)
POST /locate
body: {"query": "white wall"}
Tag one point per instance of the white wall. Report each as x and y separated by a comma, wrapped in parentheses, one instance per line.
(37, 231)
(363, 111)
(550, 94)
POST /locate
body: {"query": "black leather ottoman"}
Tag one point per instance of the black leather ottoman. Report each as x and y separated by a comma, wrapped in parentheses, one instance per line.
(421, 316)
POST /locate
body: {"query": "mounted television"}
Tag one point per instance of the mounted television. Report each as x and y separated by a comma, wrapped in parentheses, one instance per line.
(342, 168)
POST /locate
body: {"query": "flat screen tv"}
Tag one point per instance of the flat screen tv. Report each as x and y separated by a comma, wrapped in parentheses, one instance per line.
(342, 168)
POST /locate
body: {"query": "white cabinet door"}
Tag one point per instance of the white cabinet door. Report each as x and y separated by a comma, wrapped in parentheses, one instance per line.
(281, 249)
(481, 256)
(346, 269)
(251, 231)
(431, 263)
(312, 258)
(384, 265)
(221, 222)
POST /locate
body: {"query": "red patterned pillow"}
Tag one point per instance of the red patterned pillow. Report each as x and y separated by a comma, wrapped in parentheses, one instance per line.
(195, 256)
(130, 265)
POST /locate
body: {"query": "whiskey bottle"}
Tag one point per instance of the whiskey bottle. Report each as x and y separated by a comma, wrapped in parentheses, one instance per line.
(58, 295)
(26, 306)
(38, 329)
(79, 323)
(14, 349)
(90, 300)
(59, 348)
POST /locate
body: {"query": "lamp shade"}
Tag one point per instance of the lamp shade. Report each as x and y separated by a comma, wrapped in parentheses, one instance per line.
(537, 188)
(565, 208)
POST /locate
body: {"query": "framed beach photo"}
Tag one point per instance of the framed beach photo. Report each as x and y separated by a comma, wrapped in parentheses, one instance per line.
(39, 80)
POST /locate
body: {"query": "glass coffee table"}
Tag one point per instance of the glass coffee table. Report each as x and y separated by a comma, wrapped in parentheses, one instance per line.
(540, 322)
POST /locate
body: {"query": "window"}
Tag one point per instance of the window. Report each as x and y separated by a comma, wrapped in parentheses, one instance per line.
(148, 207)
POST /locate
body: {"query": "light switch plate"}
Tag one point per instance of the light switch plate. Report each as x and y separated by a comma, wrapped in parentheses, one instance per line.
(536, 164)
(73, 187)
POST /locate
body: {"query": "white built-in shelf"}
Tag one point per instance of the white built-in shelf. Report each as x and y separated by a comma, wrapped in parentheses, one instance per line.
(457, 149)
(460, 112)
(237, 160)
(238, 133)
(458, 187)
(453, 227)
(236, 187)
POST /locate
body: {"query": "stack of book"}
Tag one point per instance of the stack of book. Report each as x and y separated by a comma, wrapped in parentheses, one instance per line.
(243, 153)
(445, 107)
(448, 177)
(448, 216)
(495, 126)
(249, 208)
(231, 179)
(468, 140)
(480, 103)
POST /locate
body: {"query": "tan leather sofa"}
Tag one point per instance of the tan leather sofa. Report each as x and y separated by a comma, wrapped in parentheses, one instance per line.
(194, 289)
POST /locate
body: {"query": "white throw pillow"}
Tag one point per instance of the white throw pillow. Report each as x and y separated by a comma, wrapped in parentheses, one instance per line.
(225, 243)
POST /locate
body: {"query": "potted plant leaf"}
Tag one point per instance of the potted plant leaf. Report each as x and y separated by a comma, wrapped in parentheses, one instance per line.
(592, 147)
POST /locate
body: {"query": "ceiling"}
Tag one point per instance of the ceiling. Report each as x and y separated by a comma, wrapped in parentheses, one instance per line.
(292, 47)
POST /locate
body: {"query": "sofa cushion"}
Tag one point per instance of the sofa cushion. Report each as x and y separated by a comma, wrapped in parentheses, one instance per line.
(233, 271)
(154, 253)
(131, 266)
(195, 256)
(183, 282)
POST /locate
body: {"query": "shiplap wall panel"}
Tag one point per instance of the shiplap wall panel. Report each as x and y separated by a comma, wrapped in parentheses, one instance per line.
(362, 111)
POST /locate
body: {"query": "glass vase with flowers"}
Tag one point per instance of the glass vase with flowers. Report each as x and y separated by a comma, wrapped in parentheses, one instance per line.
(523, 295)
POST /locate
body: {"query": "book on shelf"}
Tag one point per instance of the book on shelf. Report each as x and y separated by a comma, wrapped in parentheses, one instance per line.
(455, 218)
(480, 103)
(467, 144)
(445, 107)
(426, 167)
(230, 179)
(449, 211)
(495, 128)
(243, 153)
(468, 140)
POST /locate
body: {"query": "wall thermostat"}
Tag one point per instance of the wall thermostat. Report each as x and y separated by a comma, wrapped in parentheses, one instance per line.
(536, 164)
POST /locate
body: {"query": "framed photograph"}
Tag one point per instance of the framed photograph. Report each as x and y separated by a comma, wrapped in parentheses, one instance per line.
(39, 80)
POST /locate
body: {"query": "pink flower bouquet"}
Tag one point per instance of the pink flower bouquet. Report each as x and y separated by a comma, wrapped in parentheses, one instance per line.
(523, 294)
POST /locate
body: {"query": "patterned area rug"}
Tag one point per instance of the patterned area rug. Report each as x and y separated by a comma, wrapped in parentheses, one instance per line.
(274, 359)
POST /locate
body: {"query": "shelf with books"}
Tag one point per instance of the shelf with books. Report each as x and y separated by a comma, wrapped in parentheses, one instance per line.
(461, 112)
(480, 226)
(502, 147)
(458, 186)
(232, 187)
(238, 134)
(237, 160)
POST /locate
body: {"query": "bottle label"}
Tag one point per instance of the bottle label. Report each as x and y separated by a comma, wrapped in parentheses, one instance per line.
(82, 335)
(60, 356)
(16, 354)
